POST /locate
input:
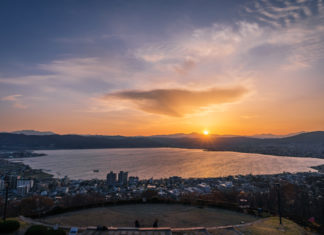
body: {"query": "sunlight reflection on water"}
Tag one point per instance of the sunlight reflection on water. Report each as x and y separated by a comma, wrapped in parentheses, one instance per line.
(164, 162)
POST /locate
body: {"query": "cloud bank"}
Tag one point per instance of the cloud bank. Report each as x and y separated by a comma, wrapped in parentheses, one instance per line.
(178, 102)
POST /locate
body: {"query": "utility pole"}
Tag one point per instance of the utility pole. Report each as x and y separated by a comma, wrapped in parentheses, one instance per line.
(6, 198)
(279, 201)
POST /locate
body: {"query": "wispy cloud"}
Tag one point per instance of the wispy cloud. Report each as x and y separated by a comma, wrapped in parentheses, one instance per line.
(11, 97)
(16, 100)
(200, 56)
(284, 13)
(178, 102)
(68, 71)
(26, 80)
(185, 67)
(292, 25)
(297, 24)
(78, 68)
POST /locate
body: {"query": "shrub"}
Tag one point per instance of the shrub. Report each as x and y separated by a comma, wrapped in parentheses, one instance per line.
(42, 230)
(56, 232)
(9, 226)
(36, 230)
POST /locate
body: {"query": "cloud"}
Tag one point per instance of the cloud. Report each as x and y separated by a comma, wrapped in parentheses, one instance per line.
(26, 80)
(80, 68)
(15, 100)
(282, 13)
(185, 67)
(71, 72)
(245, 52)
(11, 97)
(178, 102)
(219, 47)
(225, 53)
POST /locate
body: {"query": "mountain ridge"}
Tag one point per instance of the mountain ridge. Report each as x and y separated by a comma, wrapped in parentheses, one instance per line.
(33, 132)
(175, 135)
(310, 144)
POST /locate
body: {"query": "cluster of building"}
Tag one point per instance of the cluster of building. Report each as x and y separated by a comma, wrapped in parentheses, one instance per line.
(120, 186)
(124, 187)
(122, 180)
(17, 184)
(176, 187)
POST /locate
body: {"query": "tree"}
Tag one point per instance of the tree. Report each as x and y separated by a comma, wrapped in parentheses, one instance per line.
(35, 205)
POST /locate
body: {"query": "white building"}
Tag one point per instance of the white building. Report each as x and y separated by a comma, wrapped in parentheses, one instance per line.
(22, 182)
(23, 189)
(24, 186)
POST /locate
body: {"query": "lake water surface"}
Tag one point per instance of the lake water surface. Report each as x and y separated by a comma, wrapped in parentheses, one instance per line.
(164, 162)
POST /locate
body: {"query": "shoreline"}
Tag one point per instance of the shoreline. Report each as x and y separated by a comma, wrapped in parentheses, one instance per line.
(8, 167)
(35, 172)
(40, 174)
(20, 154)
(319, 168)
(207, 149)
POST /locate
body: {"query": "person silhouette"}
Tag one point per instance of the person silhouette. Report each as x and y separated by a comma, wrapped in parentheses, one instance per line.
(137, 224)
(155, 224)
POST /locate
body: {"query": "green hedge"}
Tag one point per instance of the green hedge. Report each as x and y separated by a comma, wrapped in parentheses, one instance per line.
(42, 230)
(9, 226)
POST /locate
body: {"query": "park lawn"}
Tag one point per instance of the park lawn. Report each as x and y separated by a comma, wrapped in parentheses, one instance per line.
(168, 215)
(271, 226)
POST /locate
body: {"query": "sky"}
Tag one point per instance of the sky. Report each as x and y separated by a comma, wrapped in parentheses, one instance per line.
(158, 67)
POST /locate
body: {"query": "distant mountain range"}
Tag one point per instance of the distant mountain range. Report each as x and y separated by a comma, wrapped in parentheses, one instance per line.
(258, 136)
(272, 136)
(32, 132)
(310, 144)
(177, 135)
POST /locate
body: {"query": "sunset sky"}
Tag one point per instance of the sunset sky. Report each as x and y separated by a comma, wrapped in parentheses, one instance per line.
(160, 67)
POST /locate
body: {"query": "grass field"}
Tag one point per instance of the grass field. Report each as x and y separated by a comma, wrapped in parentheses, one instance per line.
(271, 226)
(169, 215)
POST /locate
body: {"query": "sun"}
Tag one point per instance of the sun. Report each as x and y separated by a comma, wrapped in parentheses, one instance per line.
(206, 132)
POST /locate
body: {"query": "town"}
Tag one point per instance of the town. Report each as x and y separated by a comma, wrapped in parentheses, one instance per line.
(122, 186)
(241, 192)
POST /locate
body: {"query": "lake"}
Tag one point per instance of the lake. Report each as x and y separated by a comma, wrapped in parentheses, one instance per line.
(164, 162)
